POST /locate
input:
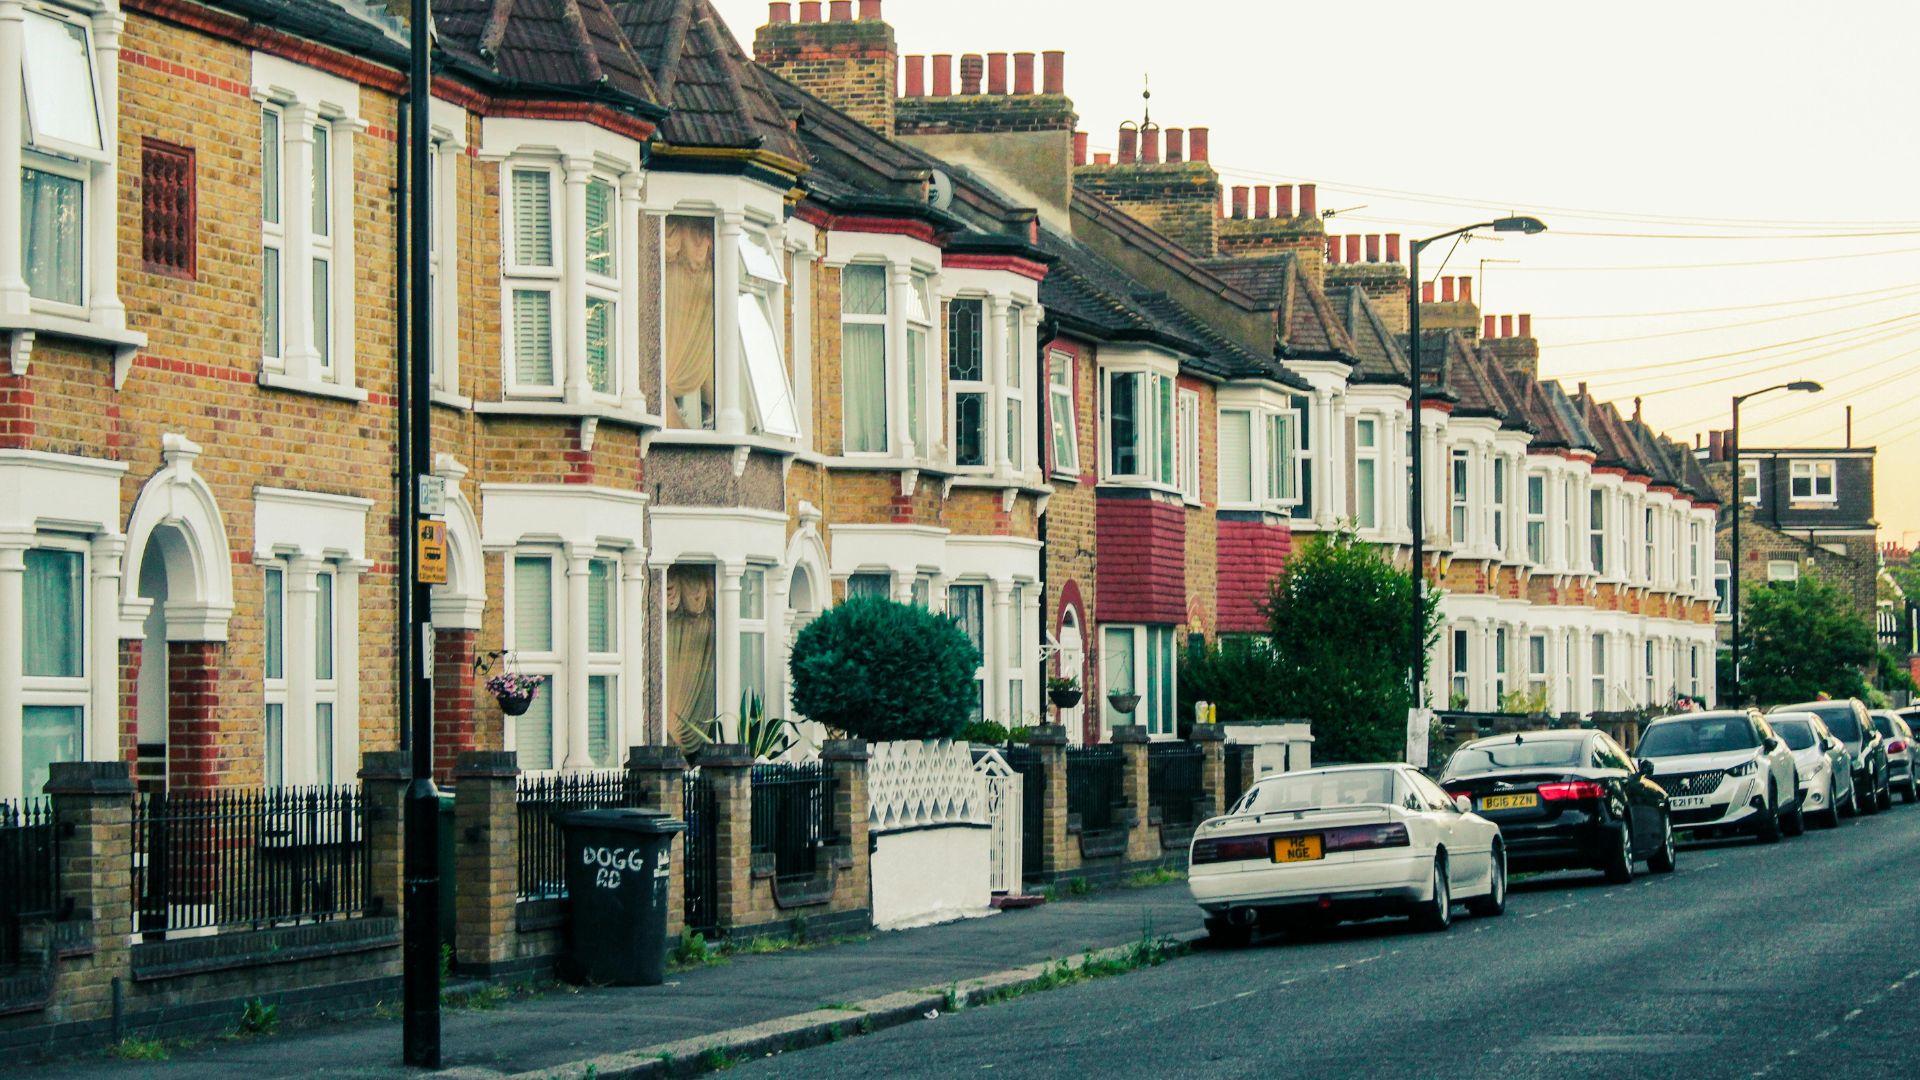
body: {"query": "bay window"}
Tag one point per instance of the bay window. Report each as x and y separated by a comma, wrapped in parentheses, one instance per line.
(64, 146)
(875, 585)
(688, 297)
(1366, 473)
(761, 304)
(1261, 458)
(863, 358)
(1286, 458)
(1140, 426)
(692, 654)
(1649, 537)
(919, 337)
(1015, 360)
(1537, 518)
(602, 268)
(1236, 457)
(533, 279)
(1501, 653)
(1599, 672)
(54, 689)
(1458, 493)
(1500, 504)
(753, 634)
(1189, 441)
(967, 380)
(1140, 660)
(1537, 666)
(532, 647)
(967, 607)
(1569, 526)
(564, 277)
(1460, 689)
(1062, 414)
(603, 662)
(1597, 530)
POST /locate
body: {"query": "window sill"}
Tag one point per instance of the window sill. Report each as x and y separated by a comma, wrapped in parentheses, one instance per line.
(569, 410)
(884, 463)
(22, 331)
(276, 381)
(452, 400)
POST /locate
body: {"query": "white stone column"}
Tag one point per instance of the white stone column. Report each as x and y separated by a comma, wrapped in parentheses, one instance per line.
(1486, 692)
(1325, 486)
(1032, 678)
(574, 722)
(343, 290)
(14, 299)
(801, 358)
(570, 258)
(346, 667)
(633, 394)
(1001, 637)
(728, 385)
(726, 650)
(298, 733)
(103, 650)
(899, 298)
(446, 284)
(779, 638)
(1340, 504)
(996, 374)
(13, 576)
(103, 264)
(1437, 469)
(299, 354)
(631, 709)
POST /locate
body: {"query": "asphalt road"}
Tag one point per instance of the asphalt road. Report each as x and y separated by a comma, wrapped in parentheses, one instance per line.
(1795, 960)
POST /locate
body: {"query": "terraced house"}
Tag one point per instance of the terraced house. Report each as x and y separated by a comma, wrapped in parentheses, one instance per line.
(720, 341)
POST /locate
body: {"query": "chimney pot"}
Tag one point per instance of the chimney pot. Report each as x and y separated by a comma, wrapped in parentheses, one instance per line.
(916, 76)
(1486, 329)
(1150, 146)
(1526, 326)
(1333, 251)
(1176, 146)
(1129, 144)
(1053, 67)
(943, 76)
(1446, 290)
(1636, 410)
(972, 67)
(1262, 199)
(1393, 247)
(869, 10)
(1353, 248)
(1198, 140)
(780, 11)
(809, 11)
(1239, 203)
(997, 73)
(841, 10)
(1373, 248)
(1506, 326)
(1079, 148)
(1309, 200)
(1716, 445)
(1466, 290)
(1283, 200)
(1023, 73)
(1103, 159)
(1426, 292)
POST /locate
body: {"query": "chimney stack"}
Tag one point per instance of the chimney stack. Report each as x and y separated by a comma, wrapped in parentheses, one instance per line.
(1053, 72)
(1526, 326)
(1486, 330)
(1103, 159)
(1240, 202)
(1198, 139)
(1373, 248)
(1716, 445)
(1176, 146)
(972, 67)
(1079, 148)
(1283, 201)
(1262, 202)
(780, 11)
(997, 73)
(943, 75)
(1393, 247)
(1309, 200)
(852, 64)
(1023, 73)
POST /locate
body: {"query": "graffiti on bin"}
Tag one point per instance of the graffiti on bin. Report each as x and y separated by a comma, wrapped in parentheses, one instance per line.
(610, 865)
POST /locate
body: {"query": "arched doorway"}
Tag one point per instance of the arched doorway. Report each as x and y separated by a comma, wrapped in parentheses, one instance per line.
(150, 705)
(1073, 664)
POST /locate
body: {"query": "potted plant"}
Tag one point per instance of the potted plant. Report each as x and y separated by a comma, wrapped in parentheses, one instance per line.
(1064, 693)
(515, 692)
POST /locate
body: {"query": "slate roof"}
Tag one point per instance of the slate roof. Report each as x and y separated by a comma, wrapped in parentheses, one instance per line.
(718, 96)
(1307, 325)
(1569, 417)
(572, 48)
(1377, 352)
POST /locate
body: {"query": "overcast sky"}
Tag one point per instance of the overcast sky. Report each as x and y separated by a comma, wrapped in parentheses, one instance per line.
(1777, 136)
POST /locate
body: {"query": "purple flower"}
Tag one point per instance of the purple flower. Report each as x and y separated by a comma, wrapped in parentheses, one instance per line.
(513, 684)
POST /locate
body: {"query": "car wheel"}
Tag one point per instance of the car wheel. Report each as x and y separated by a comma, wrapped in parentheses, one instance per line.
(1830, 818)
(1884, 801)
(1224, 934)
(1851, 808)
(1495, 902)
(1910, 793)
(1794, 822)
(1662, 860)
(1437, 913)
(1767, 829)
(1619, 865)
(1870, 804)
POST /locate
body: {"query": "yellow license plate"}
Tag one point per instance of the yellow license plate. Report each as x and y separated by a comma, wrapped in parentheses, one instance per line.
(1297, 848)
(1509, 802)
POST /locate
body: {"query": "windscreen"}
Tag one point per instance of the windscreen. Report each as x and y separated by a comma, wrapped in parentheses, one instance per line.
(1349, 787)
(1884, 724)
(1678, 738)
(1797, 733)
(1840, 720)
(1544, 753)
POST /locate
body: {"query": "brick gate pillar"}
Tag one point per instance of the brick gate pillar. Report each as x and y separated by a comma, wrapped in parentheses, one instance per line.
(93, 814)
(1143, 839)
(730, 767)
(1213, 766)
(847, 760)
(659, 774)
(486, 867)
(384, 776)
(1059, 855)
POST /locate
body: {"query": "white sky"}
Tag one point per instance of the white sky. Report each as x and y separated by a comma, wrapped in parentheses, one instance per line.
(1763, 126)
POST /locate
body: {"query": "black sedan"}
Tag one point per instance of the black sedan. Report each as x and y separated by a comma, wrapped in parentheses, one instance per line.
(1566, 800)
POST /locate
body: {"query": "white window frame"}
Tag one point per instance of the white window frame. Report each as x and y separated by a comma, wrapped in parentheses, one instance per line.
(1187, 410)
(1599, 656)
(602, 288)
(1649, 544)
(1153, 713)
(982, 678)
(1539, 652)
(444, 165)
(1750, 473)
(608, 663)
(326, 631)
(1502, 492)
(1599, 510)
(66, 691)
(981, 387)
(1063, 414)
(1779, 570)
(533, 277)
(1264, 411)
(1461, 682)
(882, 320)
(1651, 660)
(923, 375)
(1502, 663)
(1537, 554)
(273, 238)
(1156, 429)
(762, 292)
(273, 688)
(753, 627)
(550, 661)
(1722, 590)
(1367, 445)
(1017, 418)
(1460, 496)
(93, 166)
(1815, 473)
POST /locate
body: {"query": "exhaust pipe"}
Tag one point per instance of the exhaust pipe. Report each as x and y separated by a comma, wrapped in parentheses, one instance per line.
(1245, 916)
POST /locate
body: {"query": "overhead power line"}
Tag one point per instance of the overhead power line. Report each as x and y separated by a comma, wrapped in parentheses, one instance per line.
(1723, 310)
(1667, 365)
(1733, 326)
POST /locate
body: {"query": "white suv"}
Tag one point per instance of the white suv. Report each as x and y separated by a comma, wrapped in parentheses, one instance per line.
(1725, 772)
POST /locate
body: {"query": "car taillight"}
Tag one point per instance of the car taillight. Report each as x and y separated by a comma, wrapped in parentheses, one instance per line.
(1363, 837)
(1573, 790)
(1233, 849)
(1897, 746)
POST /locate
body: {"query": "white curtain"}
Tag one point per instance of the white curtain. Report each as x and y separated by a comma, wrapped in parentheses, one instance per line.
(864, 375)
(52, 211)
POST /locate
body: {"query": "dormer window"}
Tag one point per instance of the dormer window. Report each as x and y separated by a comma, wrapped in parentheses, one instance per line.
(1812, 481)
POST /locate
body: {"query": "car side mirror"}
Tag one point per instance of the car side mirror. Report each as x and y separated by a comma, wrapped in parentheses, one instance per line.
(1463, 804)
(1646, 768)
(1772, 744)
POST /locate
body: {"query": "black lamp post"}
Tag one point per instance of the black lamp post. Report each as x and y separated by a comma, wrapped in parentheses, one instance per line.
(1739, 500)
(1528, 226)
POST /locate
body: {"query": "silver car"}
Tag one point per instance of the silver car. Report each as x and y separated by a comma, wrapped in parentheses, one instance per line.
(1826, 769)
(1902, 755)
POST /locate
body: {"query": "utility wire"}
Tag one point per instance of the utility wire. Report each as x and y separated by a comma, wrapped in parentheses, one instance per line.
(1724, 310)
(1524, 268)
(1664, 365)
(1733, 326)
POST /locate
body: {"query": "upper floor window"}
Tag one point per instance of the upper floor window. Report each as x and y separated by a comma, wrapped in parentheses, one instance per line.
(1813, 481)
(863, 358)
(1649, 538)
(64, 145)
(1597, 529)
(1366, 473)
(1722, 587)
(1569, 526)
(1141, 432)
(1015, 359)
(1260, 457)
(691, 358)
(1537, 519)
(1500, 504)
(1750, 482)
(1783, 570)
(1062, 414)
(761, 304)
(967, 379)
(1457, 487)
(554, 351)
(1189, 445)
(919, 356)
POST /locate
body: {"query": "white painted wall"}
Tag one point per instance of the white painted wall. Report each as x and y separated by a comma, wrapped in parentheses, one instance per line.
(926, 876)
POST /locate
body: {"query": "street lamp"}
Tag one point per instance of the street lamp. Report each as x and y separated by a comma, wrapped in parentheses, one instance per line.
(1527, 226)
(1739, 499)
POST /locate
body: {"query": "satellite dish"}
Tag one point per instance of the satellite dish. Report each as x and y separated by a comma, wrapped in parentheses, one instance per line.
(940, 190)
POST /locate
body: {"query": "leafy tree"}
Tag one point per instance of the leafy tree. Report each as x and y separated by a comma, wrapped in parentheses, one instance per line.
(1340, 618)
(1240, 675)
(1800, 639)
(881, 671)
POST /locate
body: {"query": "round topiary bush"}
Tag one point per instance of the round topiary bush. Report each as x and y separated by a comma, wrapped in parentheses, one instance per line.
(882, 671)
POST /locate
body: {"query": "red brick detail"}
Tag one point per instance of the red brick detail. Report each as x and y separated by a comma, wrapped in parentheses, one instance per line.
(578, 458)
(193, 715)
(1142, 561)
(1252, 554)
(16, 413)
(455, 729)
(130, 699)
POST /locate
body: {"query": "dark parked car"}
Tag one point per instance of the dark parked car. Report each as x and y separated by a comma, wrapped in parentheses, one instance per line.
(1902, 754)
(1849, 722)
(1565, 800)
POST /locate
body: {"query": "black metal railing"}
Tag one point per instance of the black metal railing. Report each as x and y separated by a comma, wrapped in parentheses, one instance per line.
(29, 871)
(1239, 756)
(250, 859)
(1174, 782)
(1033, 793)
(701, 866)
(541, 801)
(1096, 786)
(792, 816)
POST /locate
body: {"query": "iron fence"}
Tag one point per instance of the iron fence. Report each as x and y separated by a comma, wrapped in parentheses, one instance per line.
(1174, 781)
(29, 871)
(249, 859)
(1239, 757)
(700, 868)
(541, 800)
(792, 816)
(1096, 786)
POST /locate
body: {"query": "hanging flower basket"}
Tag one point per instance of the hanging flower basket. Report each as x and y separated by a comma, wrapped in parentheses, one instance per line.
(1124, 703)
(515, 692)
(1065, 699)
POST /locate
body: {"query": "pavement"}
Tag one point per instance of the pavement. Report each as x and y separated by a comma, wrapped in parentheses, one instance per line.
(748, 1003)
(1784, 961)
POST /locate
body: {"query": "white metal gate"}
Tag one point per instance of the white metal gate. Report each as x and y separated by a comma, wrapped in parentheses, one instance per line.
(1002, 787)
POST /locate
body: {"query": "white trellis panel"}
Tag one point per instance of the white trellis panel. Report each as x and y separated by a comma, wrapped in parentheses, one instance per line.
(913, 785)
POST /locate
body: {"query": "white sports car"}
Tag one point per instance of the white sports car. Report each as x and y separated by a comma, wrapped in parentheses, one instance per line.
(1347, 842)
